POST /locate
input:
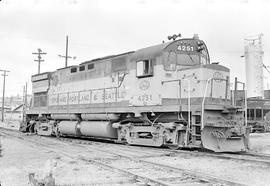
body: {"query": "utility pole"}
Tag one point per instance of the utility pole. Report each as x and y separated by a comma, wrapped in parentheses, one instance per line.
(26, 95)
(25, 102)
(66, 56)
(39, 60)
(3, 98)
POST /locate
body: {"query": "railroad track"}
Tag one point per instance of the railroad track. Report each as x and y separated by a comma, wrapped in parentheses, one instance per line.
(143, 171)
(144, 152)
(245, 156)
(152, 152)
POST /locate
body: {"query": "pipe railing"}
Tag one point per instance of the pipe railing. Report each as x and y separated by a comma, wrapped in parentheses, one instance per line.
(189, 110)
(245, 97)
(204, 95)
(189, 104)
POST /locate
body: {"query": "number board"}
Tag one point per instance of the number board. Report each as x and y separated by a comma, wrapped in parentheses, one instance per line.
(186, 48)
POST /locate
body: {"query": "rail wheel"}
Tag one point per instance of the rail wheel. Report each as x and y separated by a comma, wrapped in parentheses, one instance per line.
(174, 146)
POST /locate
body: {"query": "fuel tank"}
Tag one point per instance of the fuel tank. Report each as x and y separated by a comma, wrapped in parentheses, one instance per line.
(102, 129)
(69, 128)
(98, 129)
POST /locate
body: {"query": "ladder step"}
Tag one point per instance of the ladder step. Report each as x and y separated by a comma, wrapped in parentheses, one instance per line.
(196, 135)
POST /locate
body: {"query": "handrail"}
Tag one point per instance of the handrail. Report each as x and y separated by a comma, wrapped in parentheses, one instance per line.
(189, 110)
(245, 97)
(189, 104)
(179, 83)
(204, 96)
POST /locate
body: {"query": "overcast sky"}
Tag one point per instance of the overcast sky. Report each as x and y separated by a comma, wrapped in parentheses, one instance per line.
(98, 28)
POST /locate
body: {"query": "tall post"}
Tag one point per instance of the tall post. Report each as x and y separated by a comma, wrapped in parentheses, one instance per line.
(39, 60)
(3, 98)
(26, 95)
(66, 57)
(235, 90)
(38, 65)
(25, 102)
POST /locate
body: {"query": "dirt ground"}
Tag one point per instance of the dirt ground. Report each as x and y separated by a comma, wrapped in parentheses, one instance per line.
(260, 142)
(21, 158)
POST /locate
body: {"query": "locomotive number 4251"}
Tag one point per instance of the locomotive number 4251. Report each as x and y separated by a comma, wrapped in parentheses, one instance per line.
(145, 98)
(185, 48)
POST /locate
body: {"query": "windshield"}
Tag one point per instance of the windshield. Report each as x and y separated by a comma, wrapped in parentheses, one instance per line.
(172, 60)
(188, 52)
(204, 59)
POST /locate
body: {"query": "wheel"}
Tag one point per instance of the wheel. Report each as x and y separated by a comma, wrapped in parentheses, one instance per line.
(57, 133)
(174, 147)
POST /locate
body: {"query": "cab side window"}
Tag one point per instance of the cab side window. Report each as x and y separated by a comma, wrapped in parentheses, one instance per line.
(144, 68)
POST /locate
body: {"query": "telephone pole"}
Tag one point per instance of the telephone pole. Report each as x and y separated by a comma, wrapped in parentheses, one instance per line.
(4, 85)
(39, 60)
(66, 56)
(25, 102)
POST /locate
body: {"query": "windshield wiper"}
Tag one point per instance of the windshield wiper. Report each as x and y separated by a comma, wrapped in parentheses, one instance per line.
(191, 58)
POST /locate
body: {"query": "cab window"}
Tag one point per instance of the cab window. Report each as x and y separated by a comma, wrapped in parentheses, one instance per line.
(144, 68)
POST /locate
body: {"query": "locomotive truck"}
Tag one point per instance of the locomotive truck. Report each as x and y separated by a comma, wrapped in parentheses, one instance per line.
(163, 95)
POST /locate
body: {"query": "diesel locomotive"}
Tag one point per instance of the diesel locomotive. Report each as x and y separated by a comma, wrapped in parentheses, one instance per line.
(163, 95)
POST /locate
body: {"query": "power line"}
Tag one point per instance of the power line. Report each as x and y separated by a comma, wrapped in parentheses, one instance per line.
(266, 68)
(24, 102)
(39, 60)
(4, 85)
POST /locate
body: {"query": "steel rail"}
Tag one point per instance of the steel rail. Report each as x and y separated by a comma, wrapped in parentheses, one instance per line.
(245, 156)
(96, 162)
(197, 175)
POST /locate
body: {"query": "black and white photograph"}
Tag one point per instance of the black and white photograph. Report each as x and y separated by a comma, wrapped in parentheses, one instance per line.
(134, 93)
